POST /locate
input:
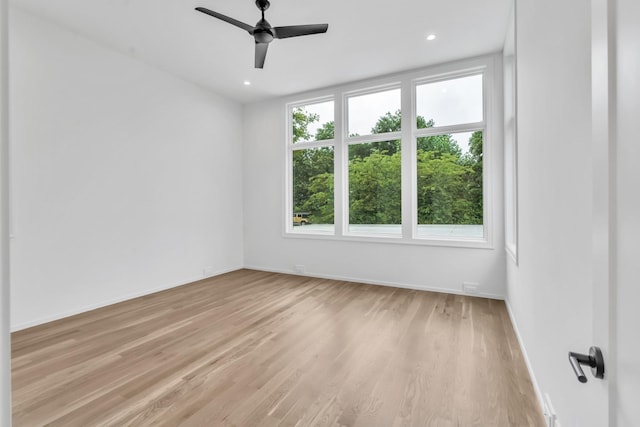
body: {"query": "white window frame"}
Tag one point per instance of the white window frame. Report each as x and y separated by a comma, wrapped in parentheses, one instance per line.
(449, 129)
(364, 139)
(510, 75)
(304, 145)
(491, 126)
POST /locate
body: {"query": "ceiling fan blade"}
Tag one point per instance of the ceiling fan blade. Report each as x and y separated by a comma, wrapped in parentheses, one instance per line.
(261, 54)
(299, 30)
(225, 18)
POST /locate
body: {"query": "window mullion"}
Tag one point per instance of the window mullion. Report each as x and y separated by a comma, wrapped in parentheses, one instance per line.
(375, 137)
(339, 167)
(441, 130)
(312, 144)
(408, 160)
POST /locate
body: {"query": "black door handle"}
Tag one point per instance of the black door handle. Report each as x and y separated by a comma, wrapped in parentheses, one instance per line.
(594, 360)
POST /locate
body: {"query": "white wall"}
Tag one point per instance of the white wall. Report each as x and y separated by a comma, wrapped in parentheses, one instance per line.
(421, 267)
(549, 291)
(126, 179)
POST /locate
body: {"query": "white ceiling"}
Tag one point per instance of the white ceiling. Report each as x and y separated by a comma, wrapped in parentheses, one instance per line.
(365, 38)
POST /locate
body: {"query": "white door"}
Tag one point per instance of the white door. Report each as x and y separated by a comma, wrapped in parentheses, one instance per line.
(616, 183)
(554, 290)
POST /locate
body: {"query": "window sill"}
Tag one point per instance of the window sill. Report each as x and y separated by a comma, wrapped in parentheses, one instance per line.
(453, 242)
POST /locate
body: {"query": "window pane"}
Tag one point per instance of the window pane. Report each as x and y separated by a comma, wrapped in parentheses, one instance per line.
(450, 185)
(313, 190)
(367, 113)
(313, 122)
(449, 102)
(374, 188)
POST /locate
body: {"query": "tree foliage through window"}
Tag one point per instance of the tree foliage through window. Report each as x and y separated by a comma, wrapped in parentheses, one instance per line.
(449, 181)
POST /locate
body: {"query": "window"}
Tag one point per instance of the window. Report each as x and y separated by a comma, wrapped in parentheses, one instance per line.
(450, 128)
(374, 163)
(374, 188)
(312, 167)
(371, 113)
(405, 160)
(449, 102)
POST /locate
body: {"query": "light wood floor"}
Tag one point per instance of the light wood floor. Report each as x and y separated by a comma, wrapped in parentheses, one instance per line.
(259, 349)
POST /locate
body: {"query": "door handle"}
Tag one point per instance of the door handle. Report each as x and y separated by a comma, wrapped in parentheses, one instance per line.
(594, 360)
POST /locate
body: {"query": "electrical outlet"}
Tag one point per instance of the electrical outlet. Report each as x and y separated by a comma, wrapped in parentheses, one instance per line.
(298, 268)
(470, 287)
(207, 271)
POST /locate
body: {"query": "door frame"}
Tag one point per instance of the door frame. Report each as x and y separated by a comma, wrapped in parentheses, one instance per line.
(603, 99)
(5, 318)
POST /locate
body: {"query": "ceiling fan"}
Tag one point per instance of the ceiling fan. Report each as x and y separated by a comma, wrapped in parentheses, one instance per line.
(264, 33)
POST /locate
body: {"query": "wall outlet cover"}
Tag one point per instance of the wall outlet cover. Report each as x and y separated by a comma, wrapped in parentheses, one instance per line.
(470, 287)
(298, 268)
(207, 271)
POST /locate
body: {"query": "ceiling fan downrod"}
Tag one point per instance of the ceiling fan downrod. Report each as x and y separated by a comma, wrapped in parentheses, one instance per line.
(263, 4)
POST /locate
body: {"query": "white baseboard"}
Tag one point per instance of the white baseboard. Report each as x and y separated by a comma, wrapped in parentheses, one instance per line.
(62, 315)
(58, 316)
(532, 374)
(378, 282)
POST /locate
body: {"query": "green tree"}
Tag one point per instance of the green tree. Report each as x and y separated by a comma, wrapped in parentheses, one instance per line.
(309, 164)
(390, 122)
(475, 145)
(374, 176)
(442, 189)
(312, 169)
(374, 189)
(449, 182)
(301, 120)
(439, 145)
(474, 178)
(326, 131)
(320, 201)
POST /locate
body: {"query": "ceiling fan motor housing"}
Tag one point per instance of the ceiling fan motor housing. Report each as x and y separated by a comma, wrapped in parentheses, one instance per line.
(263, 35)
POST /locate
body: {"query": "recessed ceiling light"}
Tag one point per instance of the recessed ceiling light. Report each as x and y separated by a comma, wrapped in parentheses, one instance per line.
(247, 83)
(431, 37)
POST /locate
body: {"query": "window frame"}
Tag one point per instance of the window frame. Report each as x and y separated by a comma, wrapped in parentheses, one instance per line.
(450, 129)
(365, 139)
(407, 82)
(510, 83)
(305, 145)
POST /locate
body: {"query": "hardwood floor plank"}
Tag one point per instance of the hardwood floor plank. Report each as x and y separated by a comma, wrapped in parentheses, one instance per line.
(251, 348)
